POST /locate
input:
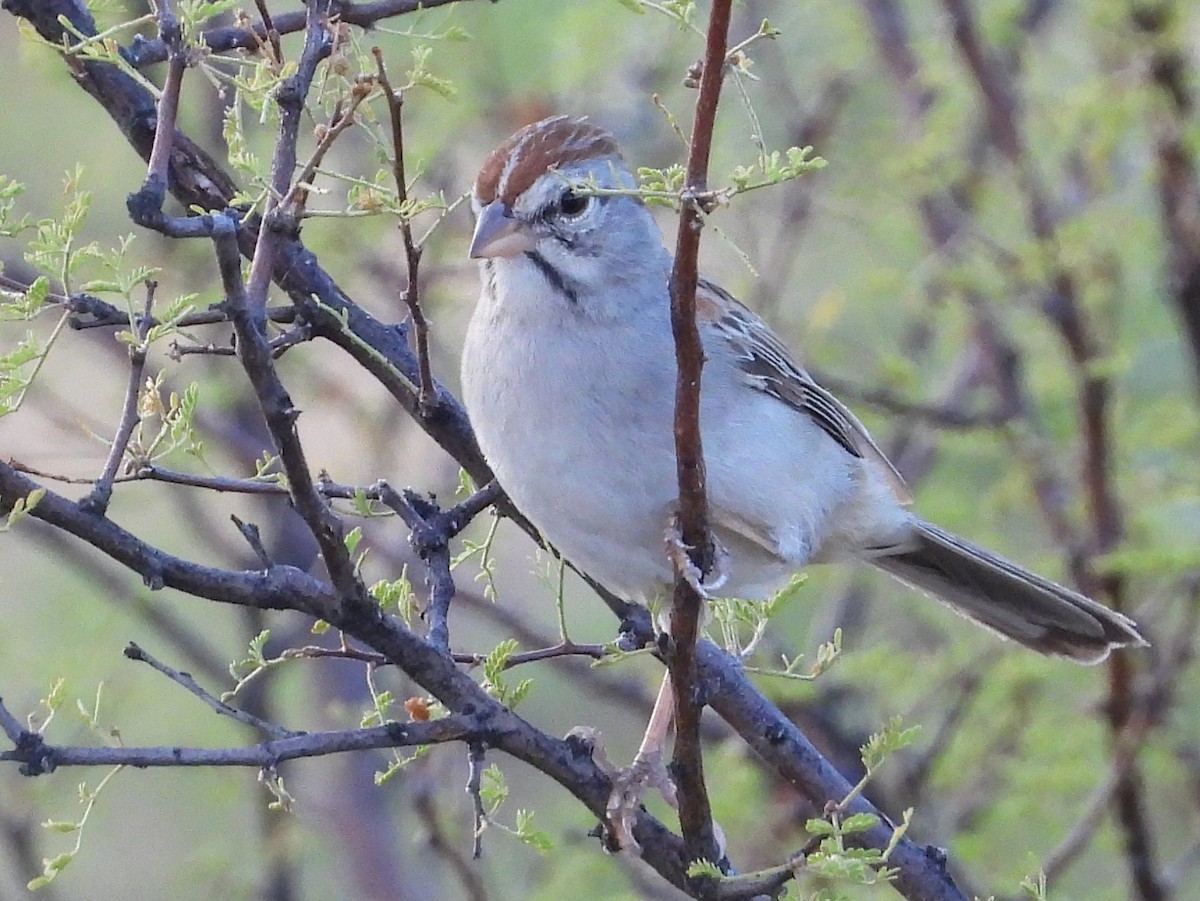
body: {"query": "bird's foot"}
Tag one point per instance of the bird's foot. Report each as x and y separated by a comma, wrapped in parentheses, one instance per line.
(706, 584)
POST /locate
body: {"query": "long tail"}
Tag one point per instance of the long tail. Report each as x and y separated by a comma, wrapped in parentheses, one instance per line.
(1010, 600)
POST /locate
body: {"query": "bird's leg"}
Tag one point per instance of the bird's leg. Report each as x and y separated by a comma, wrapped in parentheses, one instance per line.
(646, 770)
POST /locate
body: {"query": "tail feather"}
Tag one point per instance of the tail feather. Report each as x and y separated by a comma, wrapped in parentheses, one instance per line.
(1012, 601)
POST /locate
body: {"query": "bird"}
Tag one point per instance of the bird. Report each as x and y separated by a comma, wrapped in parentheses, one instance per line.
(568, 378)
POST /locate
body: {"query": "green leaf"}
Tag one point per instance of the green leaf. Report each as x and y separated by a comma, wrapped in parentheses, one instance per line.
(883, 744)
(22, 506)
(535, 838)
(396, 595)
(819, 827)
(493, 790)
(859, 822)
(493, 668)
(257, 643)
(361, 504)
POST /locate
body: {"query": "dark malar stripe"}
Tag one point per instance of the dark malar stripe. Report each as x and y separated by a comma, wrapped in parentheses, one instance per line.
(553, 276)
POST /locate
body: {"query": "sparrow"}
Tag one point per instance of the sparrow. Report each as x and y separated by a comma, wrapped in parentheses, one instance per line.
(568, 376)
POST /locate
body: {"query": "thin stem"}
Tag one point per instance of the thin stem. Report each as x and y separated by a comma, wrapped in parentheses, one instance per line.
(412, 250)
(270, 29)
(134, 652)
(475, 761)
(97, 500)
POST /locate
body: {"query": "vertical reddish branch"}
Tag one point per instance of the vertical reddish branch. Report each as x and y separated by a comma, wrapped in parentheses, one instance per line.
(693, 507)
(695, 816)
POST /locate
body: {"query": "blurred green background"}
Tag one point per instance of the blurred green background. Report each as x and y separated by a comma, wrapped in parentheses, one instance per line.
(1012, 747)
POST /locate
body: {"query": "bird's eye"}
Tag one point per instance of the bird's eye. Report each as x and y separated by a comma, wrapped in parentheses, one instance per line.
(572, 204)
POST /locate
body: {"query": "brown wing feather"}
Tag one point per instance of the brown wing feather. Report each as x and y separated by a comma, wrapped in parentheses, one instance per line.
(769, 367)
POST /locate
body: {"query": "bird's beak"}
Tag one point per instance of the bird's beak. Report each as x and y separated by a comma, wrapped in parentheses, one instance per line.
(499, 234)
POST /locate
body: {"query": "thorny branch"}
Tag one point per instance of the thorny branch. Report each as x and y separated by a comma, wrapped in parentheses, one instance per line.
(284, 588)
(196, 180)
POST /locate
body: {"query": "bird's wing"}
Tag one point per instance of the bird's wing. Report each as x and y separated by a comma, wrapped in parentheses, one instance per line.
(768, 367)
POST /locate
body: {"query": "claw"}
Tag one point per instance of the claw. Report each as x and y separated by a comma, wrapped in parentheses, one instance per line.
(647, 771)
(679, 554)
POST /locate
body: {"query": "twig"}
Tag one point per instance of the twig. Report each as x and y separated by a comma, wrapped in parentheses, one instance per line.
(279, 413)
(97, 500)
(46, 758)
(10, 724)
(272, 33)
(106, 315)
(134, 652)
(695, 815)
(155, 473)
(232, 37)
(562, 649)
(152, 472)
(626, 694)
(280, 588)
(279, 345)
(250, 532)
(145, 205)
(284, 341)
(412, 250)
(279, 220)
(345, 652)
(171, 35)
(179, 351)
(475, 761)
(431, 531)
(341, 120)
(595, 651)
(755, 886)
